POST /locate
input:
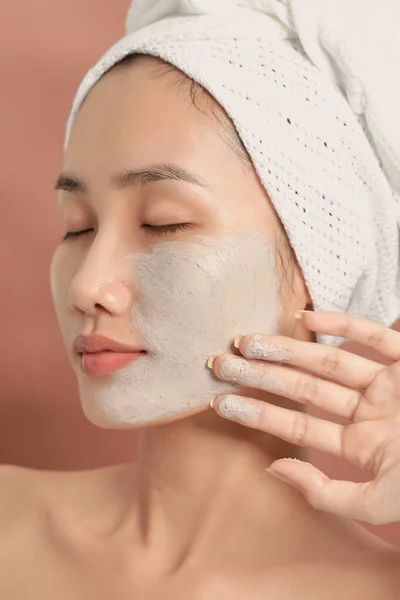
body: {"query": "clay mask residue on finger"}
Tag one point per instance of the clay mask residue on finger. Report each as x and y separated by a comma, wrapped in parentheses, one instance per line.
(194, 297)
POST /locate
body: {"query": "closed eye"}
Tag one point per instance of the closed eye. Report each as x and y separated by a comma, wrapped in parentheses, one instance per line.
(158, 230)
(165, 229)
(75, 234)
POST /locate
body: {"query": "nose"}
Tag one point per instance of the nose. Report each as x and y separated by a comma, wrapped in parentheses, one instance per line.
(101, 283)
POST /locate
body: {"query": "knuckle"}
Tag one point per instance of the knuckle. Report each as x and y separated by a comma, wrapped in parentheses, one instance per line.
(330, 361)
(299, 429)
(375, 338)
(261, 421)
(306, 389)
(351, 404)
(345, 328)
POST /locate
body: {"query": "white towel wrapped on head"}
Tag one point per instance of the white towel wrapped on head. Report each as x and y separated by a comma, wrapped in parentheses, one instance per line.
(312, 87)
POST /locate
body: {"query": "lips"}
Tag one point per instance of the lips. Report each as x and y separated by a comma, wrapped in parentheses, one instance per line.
(102, 356)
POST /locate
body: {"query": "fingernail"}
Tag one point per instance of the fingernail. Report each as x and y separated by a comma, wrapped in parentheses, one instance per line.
(211, 361)
(237, 341)
(212, 401)
(299, 313)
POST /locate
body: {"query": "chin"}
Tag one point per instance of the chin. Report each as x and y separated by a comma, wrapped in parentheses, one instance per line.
(106, 418)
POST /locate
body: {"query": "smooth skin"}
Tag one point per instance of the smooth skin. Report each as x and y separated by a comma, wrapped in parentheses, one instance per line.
(195, 514)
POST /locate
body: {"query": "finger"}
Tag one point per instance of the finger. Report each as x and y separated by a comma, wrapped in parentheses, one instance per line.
(289, 383)
(377, 336)
(343, 498)
(293, 426)
(325, 361)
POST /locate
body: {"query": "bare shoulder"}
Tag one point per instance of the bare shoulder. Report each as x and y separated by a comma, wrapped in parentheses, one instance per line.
(361, 565)
(19, 494)
(310, 580)
(359, 562)
(45, 504)
(338, 559)
(34, 496)
(373, 575)
(316, 581)
(39, 513)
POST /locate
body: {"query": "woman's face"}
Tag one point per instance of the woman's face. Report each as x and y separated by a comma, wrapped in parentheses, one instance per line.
(140, 157)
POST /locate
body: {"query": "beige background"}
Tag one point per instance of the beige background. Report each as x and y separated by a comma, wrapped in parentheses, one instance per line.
(46, 47)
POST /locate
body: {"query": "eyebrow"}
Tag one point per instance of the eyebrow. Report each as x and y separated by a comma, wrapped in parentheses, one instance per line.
(140, 177)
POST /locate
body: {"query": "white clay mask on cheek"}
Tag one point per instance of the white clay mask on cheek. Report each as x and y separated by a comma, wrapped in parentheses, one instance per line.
(194, 297)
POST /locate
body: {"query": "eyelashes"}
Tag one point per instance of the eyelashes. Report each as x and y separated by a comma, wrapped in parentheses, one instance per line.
(75, 234)
(165, 229)
(157, 230)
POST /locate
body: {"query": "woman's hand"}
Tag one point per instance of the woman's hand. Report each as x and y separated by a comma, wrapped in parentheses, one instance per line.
(364, 391)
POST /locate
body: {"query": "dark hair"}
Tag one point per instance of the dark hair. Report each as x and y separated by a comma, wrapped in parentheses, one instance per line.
(206, 103)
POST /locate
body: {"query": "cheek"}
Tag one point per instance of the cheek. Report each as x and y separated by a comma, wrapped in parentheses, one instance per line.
(61, 273)
(204, 290)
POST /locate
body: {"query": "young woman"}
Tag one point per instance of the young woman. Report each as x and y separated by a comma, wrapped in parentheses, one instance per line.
(189, 250)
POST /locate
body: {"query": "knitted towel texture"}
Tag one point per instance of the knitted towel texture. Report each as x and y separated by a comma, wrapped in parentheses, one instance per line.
(312, 87)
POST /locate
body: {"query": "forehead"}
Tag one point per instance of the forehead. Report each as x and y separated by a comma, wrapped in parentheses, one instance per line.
(133, 114)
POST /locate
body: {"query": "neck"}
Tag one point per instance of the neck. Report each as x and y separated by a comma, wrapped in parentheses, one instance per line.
(190, 474)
